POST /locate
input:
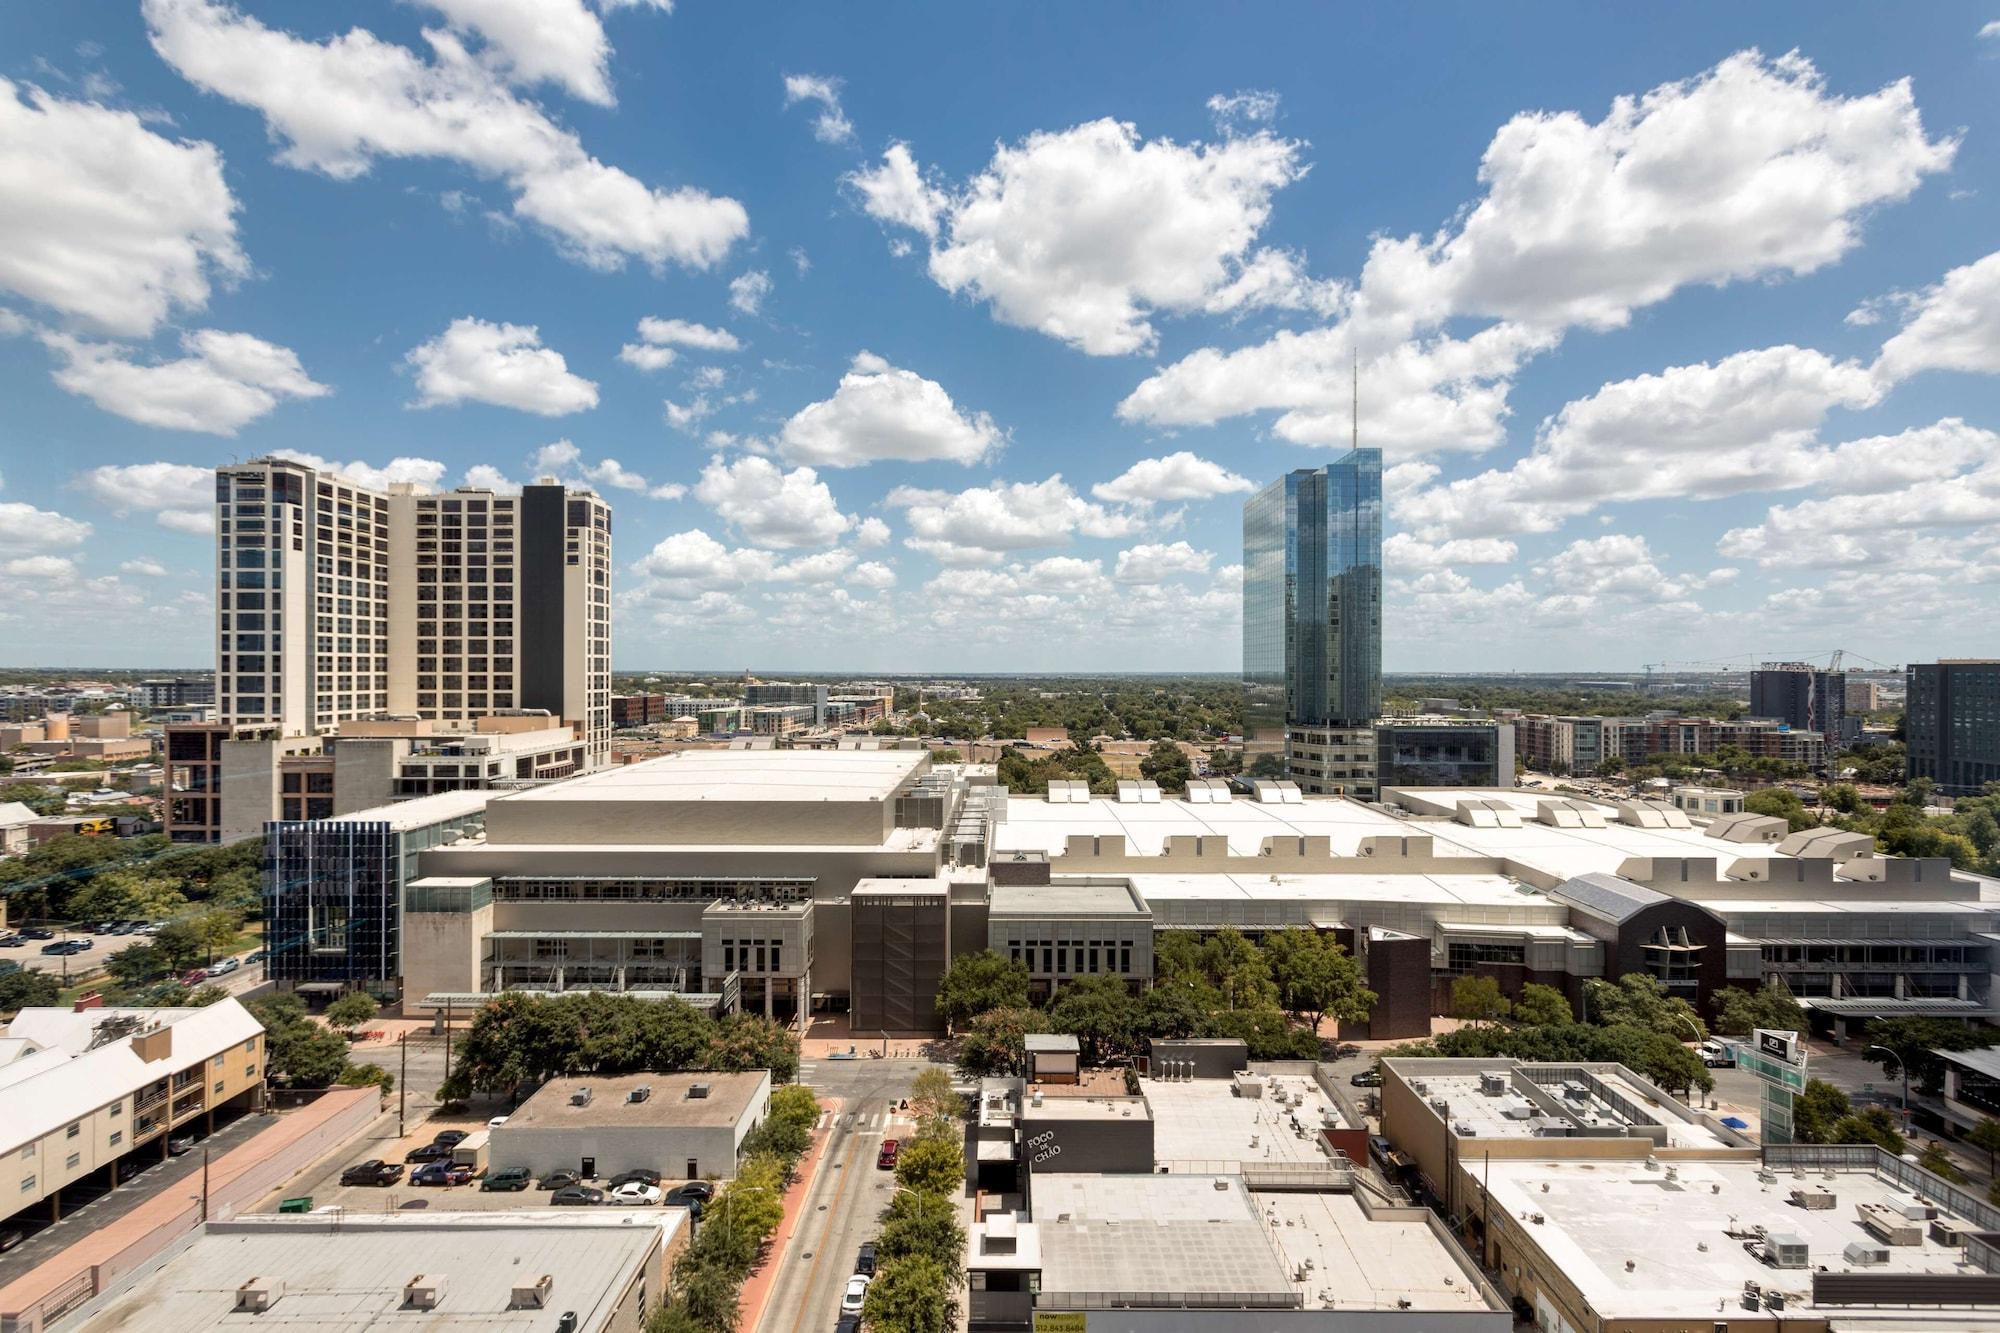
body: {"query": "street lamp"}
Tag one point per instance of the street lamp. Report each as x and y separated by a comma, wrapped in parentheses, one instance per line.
(1902, 1068)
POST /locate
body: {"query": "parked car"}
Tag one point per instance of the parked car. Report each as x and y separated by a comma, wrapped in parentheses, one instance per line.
(676, 1199)
(886, 1159)
(132, 927)
(864, 1263)
(635, 1192)
(451, 1138)
(82, 946)
(60, 947)
(225, 967)
(12, 941)
(11, 1237)
(576, 1195)
(257, 957)
(696, 1189)
(1346, 1050)
(496, 1122)
(430, 1152)
(194, 978)
(1367, 1078)
(857, 1292)
(441, 1173)
(513, 1179)
(181, 1146)
(847, 1323)
(638, 1173)
(559, 1180)
(374, 1171)
(37, 933)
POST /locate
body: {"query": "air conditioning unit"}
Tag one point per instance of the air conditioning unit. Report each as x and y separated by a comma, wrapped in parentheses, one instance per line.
(581, 1097)
(1863, 1255)
(697, 1091)
(533, 1295)
(1789, 1251)
(423, 1292)
(259, 1294)
(640, 1093)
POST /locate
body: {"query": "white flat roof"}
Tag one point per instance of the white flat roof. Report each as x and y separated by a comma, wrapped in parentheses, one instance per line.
(1153, 1233)
(347, 1273)
(1034, 824)
(1422, 889)
(742, 775)
(1203, 1120)
(1363, 1263)
(418, 812)
(1599, 1216)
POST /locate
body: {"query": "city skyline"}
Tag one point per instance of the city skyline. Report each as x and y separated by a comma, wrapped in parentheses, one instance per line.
(894, 360)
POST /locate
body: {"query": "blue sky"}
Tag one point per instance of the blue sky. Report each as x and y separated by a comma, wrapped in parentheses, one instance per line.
(933, 339)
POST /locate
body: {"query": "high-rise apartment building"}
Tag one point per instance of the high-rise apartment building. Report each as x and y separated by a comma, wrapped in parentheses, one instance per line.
(1312, 625)
(338, 601)
(1803, 697)
(1951, 721)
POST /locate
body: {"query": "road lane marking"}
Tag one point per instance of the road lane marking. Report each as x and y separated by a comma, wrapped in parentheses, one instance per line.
(819, 1251)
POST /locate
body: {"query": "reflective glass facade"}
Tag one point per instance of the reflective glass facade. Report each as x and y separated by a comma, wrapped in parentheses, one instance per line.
(1312, 601)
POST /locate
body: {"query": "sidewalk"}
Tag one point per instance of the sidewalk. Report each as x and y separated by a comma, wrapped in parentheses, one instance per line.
(757, 1287)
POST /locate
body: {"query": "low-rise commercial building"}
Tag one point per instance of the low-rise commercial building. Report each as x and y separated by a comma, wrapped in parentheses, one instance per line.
(82, 1090)
(684, 1126)
(1443, 752)
(481, 1272)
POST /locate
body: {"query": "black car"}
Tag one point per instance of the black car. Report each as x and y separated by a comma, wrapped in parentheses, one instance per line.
(59, 947)
(636, 1173)
(451, 1138)
(1367, 1078)
(849, 1323)
(864, 1263)
(696, 1189)
(12, 941)
(37, 933)
(558, 1180)
(576, 1194)
(430, 1152)
(372, 1172)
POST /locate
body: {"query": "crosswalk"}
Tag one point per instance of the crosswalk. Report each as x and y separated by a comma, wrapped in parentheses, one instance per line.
(863, 1120)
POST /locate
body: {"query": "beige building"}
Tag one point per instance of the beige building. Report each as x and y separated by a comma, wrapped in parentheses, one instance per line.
(685, 1126)
(82, 1090)
(337, 601)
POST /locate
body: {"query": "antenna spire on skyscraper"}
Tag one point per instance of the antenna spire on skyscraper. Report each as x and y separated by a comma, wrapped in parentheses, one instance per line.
(1355, 353)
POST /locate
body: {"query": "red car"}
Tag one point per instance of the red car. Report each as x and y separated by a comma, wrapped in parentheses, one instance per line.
(886, 1159)
(195, 978)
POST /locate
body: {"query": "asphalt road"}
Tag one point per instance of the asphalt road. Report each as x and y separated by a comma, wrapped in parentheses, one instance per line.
(93, 1204)
(844, 1207)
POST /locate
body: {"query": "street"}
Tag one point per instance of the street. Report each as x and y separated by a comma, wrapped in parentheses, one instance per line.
(845, 1205)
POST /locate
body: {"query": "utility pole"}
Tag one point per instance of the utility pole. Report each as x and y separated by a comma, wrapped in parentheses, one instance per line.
(204, 1185)
(403, 1082)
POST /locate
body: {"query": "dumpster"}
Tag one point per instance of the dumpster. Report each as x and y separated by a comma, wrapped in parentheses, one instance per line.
(301, 1205)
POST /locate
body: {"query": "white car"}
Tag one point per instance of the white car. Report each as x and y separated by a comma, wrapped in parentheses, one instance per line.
(225, 967)
(634, 1192)
(857, 1292)
(496, 1122)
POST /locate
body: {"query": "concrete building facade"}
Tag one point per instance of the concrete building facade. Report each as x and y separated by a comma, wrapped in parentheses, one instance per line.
(1952, 724)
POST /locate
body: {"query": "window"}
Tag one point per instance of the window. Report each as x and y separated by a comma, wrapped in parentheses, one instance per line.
(218, 1088)
(27, 1184)
(73, 1130)
(117, 1137)
(28, 1150)
(218, 1062)
(73, 1161)
(117, 1109)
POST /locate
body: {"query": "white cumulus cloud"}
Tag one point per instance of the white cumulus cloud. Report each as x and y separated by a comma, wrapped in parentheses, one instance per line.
(225, 382)
(748, 291)
(980, 525)
(502, 364)
(1154, 563)
(883, 413)
(1178, 476)
(831, 125)
(770, 506)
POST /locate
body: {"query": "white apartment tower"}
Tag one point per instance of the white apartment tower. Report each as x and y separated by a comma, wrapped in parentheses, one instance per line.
(337, 601)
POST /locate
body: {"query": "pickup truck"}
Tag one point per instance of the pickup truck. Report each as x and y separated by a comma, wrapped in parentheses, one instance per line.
(374, 1171)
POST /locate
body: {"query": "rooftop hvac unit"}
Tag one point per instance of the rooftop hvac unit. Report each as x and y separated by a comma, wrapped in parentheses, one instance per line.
(1493, 1085)
(697, 1091)
(1815, 1200)
(259, 1294)
(423, 1292)
(1419, 1087)
(640, 1093)
(1441, 1106)
(1863, 1255)
(532, 1295)
(1576, 1092)
(1947, 1232)
(581, 1097)
(1789, 1251)
(1518, 1111)
(1465, 1131)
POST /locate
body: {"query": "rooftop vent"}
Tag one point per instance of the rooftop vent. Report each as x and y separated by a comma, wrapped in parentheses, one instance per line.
(532, 1295)
(640, 1093)
(697, 1091)
(259, 1294)
(581, 1097)
(423, 1292)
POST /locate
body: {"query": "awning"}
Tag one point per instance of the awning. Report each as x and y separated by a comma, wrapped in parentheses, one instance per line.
(1887, 1006)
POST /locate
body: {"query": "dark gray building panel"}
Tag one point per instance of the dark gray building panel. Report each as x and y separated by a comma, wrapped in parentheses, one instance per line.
(1952, 724)
(901, 944)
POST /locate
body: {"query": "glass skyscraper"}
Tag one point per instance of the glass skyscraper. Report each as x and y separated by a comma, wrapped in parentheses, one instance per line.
(1312, 617)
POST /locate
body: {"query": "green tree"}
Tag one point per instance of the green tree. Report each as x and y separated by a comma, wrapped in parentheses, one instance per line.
(1739, 1012)
(1986, 1135)
(179, 944)
(1170, 1010)
(1782, 804)
(752, 1041)
(1937, 1161)
(995, 1042)
(923, 1225)
(932, 1097)
(1167, 764)
(1478, 999)
(1316, 978)
(25, 990)
(1911, 1044)
(1101, 1011)
(1539, 1004)
(298, 1051)
(1817, 1110)
(42, 800)
(352, 1010)
(914, 1295)
(976, 983)
(932, 1166)
(1876, 1125)
(1642, 1001)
